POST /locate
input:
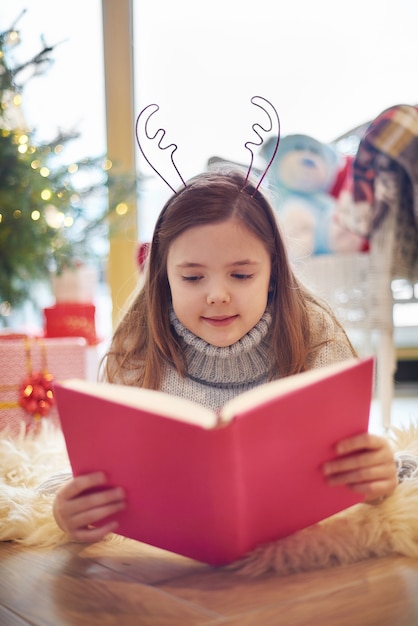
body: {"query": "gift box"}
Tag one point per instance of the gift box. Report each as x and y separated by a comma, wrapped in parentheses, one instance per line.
(71, 319)
(77, 284)
(28, 366)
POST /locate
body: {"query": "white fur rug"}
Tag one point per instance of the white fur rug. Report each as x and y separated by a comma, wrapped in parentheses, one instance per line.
(361, 532)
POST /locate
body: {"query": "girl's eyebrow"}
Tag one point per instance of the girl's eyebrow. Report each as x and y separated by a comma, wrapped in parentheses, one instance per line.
(187, 264)
(191, 264)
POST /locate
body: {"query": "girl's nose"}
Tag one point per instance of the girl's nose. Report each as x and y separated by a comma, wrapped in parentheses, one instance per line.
(218, 295)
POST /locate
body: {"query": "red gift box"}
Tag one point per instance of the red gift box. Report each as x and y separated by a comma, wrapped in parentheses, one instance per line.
(71, 319)
(21, 359)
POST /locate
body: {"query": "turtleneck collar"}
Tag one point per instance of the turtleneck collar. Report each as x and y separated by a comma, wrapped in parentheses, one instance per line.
(245, 361)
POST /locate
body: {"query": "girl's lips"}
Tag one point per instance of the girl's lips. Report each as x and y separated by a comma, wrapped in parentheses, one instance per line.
(223, 320)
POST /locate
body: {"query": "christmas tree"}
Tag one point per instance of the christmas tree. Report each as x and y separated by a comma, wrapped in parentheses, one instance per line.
(52, 215)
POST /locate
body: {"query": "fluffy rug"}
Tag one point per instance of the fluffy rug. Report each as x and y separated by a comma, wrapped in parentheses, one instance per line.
(361, 532)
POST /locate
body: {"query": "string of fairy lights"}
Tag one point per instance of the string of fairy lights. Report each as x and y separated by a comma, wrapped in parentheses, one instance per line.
(52, 214)
(54, 218)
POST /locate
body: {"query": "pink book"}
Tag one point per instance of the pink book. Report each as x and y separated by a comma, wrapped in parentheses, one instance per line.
(214, 486)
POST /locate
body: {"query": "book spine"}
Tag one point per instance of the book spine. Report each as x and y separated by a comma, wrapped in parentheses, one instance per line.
(224, 495)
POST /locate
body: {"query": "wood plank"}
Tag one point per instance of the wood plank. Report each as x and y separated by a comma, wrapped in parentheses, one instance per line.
(129, 583)
(389, 603)
(324, 591)
(9, 618)
(60, 586)
(142, 562)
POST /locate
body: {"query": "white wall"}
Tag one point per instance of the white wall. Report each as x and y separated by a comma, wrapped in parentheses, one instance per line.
(328, 67)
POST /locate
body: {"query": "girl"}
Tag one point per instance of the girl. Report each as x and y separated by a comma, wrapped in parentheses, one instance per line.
(220, 312)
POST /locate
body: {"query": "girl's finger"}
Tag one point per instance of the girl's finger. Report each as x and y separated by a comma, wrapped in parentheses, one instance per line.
(364, 441)
(357, 461)
(94, 500)
(96, 533)
(372, 491)
(361, 475)
(74, 487)
(94, 516)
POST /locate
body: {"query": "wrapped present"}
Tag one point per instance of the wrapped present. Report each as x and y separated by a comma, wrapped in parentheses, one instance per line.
(28, 367)
(71, 319)
(76, 284)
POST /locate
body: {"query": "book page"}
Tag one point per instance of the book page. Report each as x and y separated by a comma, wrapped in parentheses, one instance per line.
(149, 400)
(275, 388)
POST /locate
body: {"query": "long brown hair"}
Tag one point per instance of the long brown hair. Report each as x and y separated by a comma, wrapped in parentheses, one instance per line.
(145, 339)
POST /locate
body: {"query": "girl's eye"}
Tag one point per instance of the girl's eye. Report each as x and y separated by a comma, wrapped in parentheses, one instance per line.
(191, 279)
(242, 276)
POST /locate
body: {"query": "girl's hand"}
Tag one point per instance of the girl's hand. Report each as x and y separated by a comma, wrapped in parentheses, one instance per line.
(366, 464)
(77, 512)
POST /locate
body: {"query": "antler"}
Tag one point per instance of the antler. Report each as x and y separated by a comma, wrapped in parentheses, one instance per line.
(161, 132)
(256, 128)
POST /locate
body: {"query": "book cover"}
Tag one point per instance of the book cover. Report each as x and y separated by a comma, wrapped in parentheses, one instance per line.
(213, 487)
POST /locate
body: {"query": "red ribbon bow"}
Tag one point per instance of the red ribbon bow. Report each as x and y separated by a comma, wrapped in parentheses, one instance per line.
(35, 394)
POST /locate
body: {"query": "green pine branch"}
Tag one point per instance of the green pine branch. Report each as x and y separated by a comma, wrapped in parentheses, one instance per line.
(52, 215)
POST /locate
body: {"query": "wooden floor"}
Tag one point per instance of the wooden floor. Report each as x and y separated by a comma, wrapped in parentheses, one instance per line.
(133, 584)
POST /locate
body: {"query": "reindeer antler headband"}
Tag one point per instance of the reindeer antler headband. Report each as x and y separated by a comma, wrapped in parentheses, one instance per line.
(141, 129)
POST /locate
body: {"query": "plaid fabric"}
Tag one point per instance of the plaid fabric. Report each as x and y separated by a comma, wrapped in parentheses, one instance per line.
(389, 144)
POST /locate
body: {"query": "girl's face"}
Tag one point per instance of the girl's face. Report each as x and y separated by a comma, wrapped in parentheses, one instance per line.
(219, 276)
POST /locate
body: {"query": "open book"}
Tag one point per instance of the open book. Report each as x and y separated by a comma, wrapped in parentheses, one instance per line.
(213, 487)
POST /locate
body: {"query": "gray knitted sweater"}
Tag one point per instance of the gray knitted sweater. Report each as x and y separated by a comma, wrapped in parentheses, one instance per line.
(218, 374)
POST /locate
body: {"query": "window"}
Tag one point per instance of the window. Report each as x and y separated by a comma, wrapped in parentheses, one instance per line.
(327, 69)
